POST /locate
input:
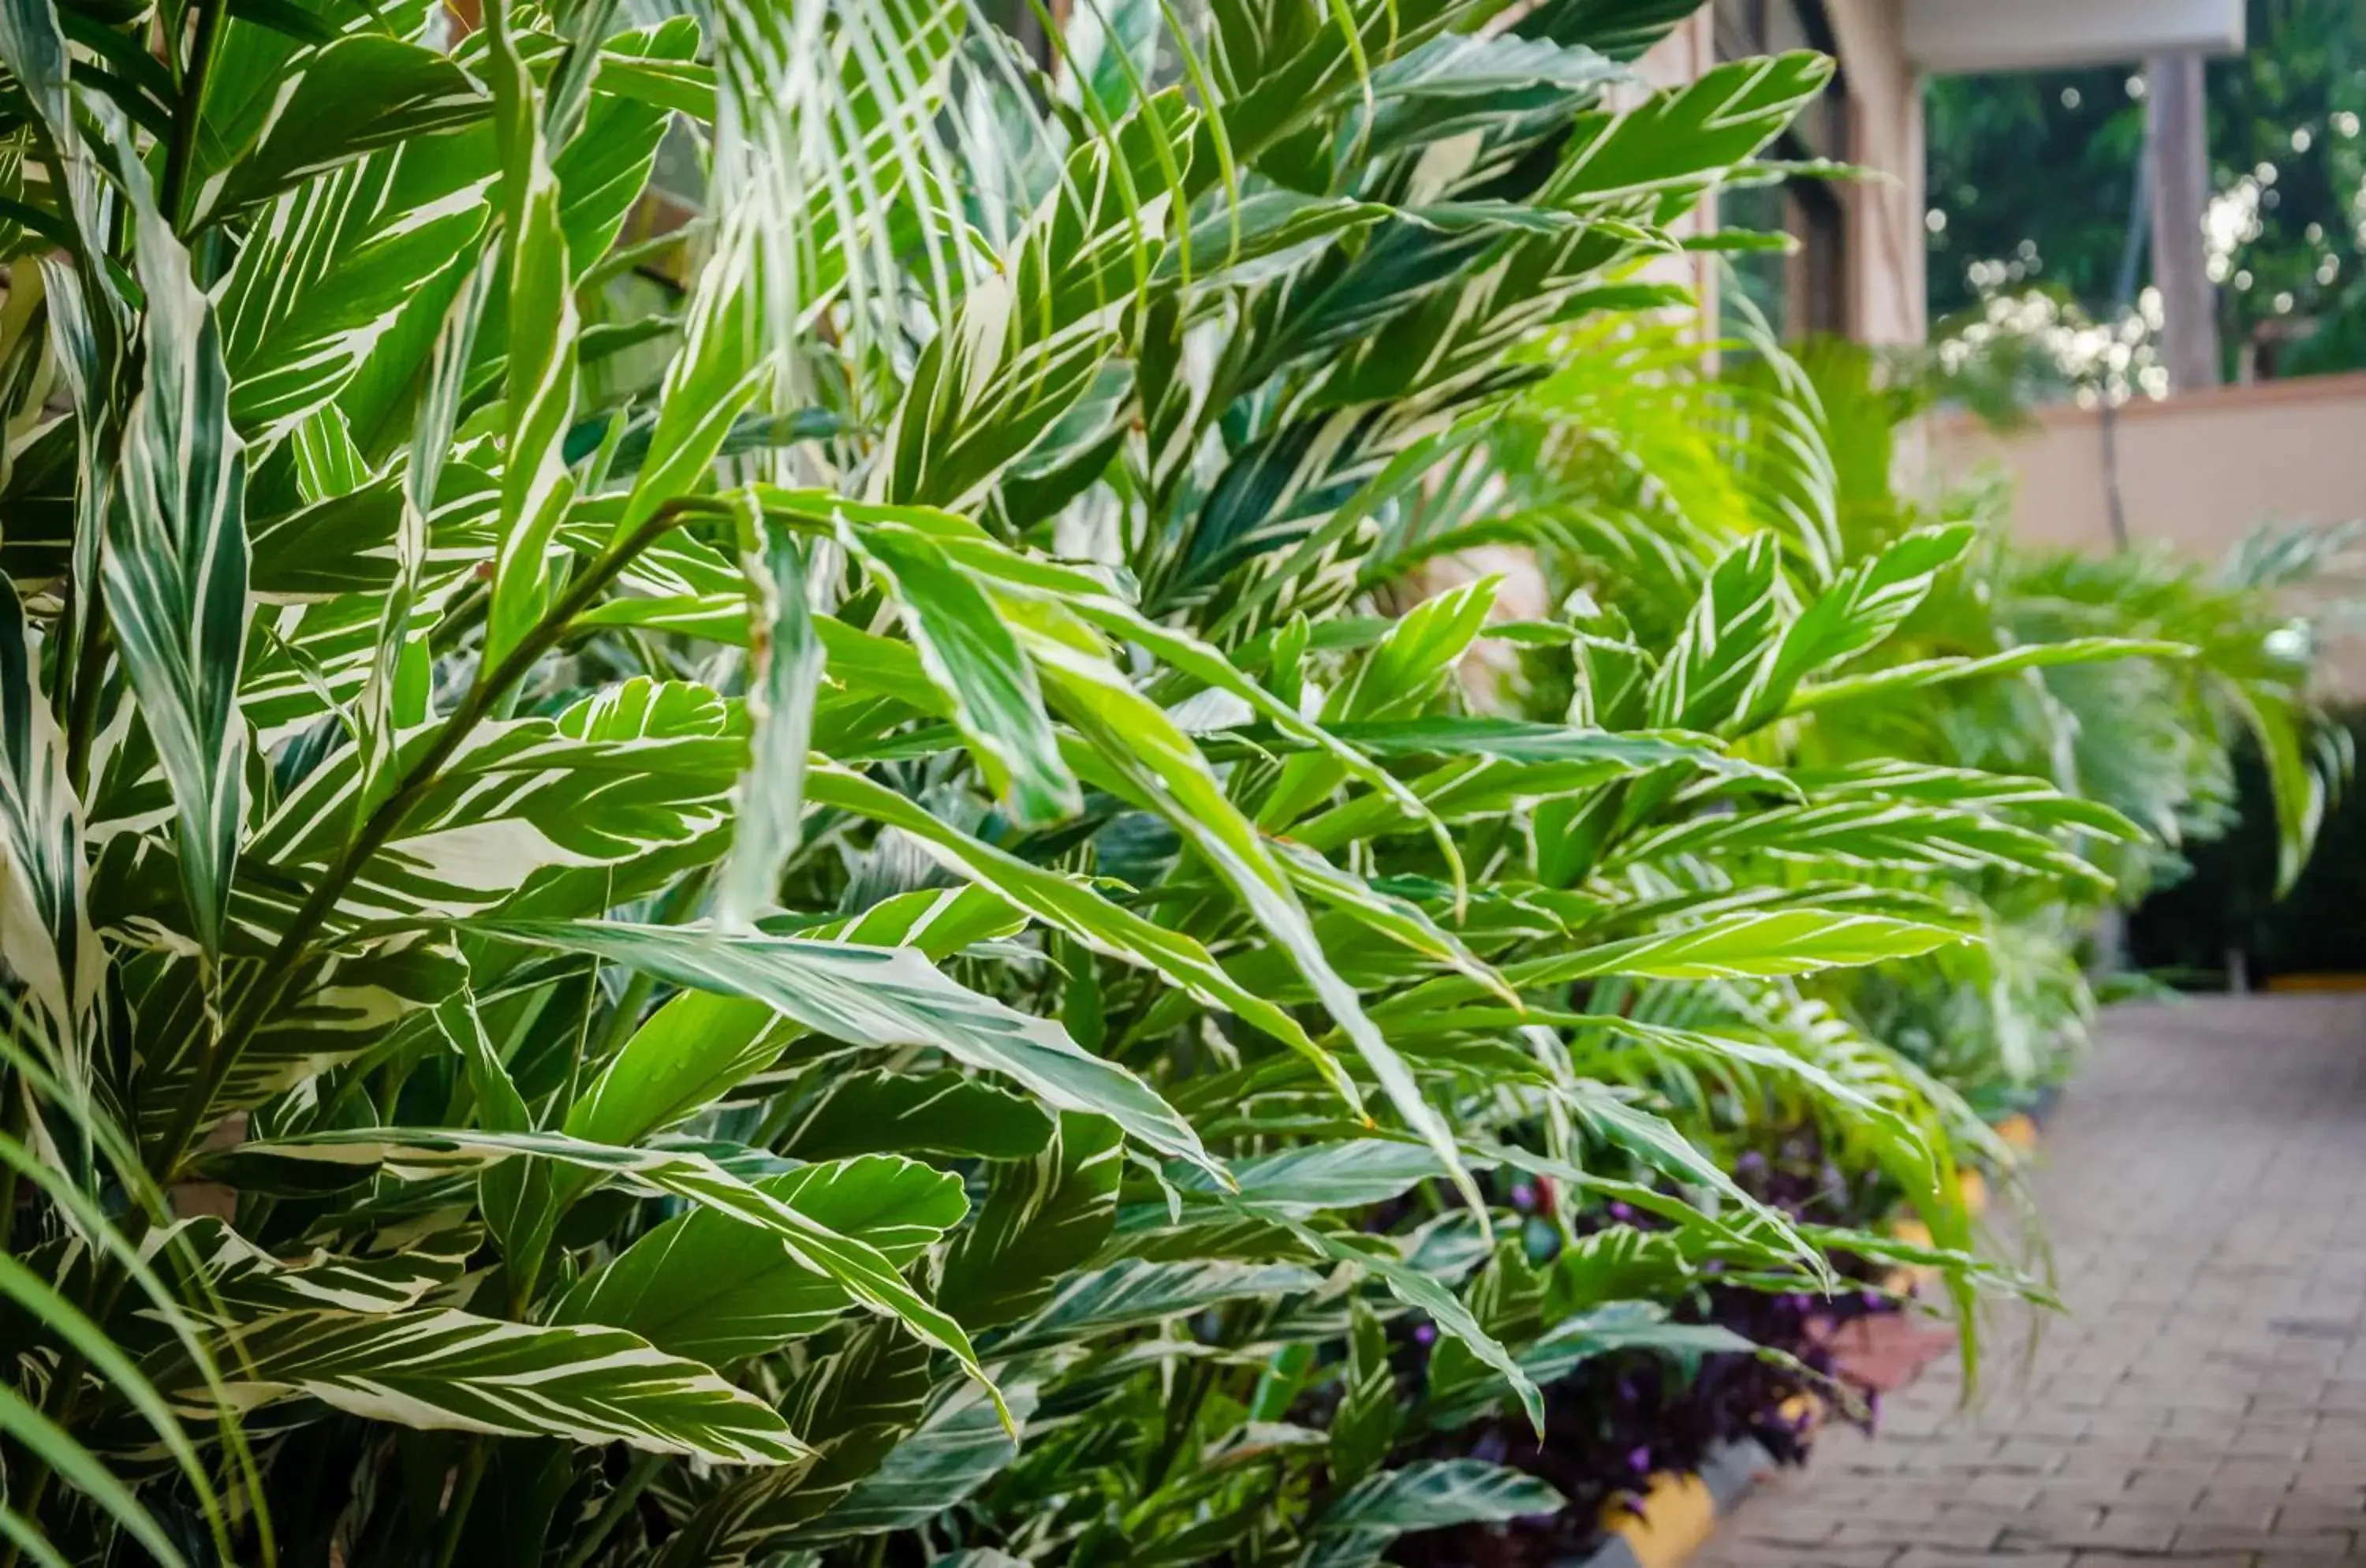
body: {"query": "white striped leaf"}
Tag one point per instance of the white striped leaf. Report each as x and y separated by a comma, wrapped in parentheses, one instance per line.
(1901, 679)
(1365, 1420)
(176, 562)
(1864, 603)
(1628, 1325)
(1787, 942)
(45, 927)
(639, 767)
(455, 1370)
(363, 91)
(1133, 1293)
(706, 1286)
(1727, 641)
(1744, 944)
(958, 1447)
(940, 1113)
(2008, 795)
(1656, 1142)
(767, 801)
(342, 1005)
(856, 1266)
(700, 1045)
(1352, 1173)
(1663, 153)
(1067, 904)
(330, 267)
(1435, 1494)
(538, 397)
(1152, 763)
(1417, 1287)
(1396, 680)
(854, 1403)
(870, 996)
(1042, 1218)
(1912, 834)
(973, 656)
(241, 1275)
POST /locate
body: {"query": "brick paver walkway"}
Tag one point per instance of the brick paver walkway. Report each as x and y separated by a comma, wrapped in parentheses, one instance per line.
(2204, 1403)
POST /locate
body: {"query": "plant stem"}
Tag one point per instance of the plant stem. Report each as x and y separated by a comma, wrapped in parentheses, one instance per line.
(12, 1127)
(269, 987)
(472, 1475)
(89, 675)
(188, 115)
(612, 1513)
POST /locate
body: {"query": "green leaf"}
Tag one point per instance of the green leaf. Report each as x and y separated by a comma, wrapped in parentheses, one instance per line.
(706, 1286)
(868, 996)
(56, 1449)
(938, 1114)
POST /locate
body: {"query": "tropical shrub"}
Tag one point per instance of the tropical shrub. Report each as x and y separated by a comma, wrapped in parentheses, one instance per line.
(826, 919)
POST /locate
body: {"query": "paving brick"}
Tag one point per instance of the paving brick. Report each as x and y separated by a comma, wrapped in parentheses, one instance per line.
(2203, 1403)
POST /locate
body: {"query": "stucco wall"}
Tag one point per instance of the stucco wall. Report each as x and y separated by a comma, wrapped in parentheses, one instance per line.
(2197, 473)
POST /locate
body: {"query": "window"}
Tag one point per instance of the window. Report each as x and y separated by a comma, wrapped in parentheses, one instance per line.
(1806, 293)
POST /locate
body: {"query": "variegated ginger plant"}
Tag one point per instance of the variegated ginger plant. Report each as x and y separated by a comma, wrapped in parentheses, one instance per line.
(678, 933)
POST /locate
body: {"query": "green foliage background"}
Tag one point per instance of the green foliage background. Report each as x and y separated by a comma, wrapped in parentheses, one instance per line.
(2049, 158)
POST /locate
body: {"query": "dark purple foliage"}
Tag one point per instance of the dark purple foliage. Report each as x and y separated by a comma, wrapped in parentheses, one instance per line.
(1619, 1419)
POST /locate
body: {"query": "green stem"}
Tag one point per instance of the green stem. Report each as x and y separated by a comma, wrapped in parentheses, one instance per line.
(12, 1127)
(188, 115)
(612, 1513)
(89, 675)
(472, 1475)
(279, 971)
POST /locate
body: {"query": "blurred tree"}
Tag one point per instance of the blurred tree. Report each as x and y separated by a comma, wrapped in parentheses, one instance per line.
(2032, 176)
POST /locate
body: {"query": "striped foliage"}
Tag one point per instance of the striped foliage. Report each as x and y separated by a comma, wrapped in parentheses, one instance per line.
(746, 804)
